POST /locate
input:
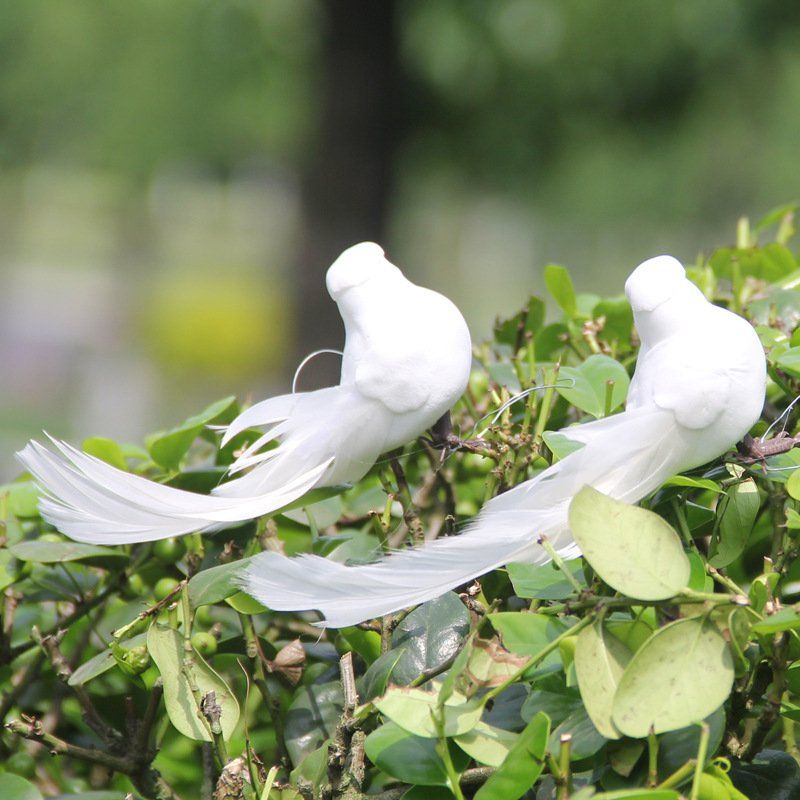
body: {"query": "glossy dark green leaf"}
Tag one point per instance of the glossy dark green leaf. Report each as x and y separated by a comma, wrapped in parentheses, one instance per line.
(675, 748)
(738, 517)
(523, 764)
(409, 758)
(772, 775)
(430, 636)
(375, 680)
(312, 718)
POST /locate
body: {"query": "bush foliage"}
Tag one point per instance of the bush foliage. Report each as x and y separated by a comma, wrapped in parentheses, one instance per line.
(666, 662)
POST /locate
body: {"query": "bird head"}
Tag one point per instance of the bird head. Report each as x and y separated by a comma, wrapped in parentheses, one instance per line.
(356, 266)
(654, 282)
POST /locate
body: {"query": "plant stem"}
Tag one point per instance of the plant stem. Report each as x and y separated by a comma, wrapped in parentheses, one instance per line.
(702, 752)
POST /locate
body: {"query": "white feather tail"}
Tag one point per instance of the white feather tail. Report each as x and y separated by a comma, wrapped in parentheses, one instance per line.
(626, 456)
(92, 501)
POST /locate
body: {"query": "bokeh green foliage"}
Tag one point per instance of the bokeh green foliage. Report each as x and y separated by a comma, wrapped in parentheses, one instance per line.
(664, 661)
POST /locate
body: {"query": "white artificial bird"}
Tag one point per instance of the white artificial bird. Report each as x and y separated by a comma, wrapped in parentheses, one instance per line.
(698, 388)
(406, 361)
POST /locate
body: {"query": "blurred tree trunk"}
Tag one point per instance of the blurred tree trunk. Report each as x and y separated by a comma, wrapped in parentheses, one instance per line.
(347, 187)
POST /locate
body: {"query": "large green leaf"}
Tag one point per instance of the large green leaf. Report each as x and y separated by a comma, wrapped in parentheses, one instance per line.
(408, 758)
(215, 584)
(526, 634)
(166, 646)
(633, 550)
(414, 710)
(430, 636)
(600, 660)
(167, 449)
(13, 787)
(312, 718)
(679, 676)
(585, 739)
(597, 386)
(487, 744)
(738, 517)
(523, 764)
(41, 552)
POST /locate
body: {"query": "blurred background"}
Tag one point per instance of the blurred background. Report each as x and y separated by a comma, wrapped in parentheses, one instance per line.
(175, 177)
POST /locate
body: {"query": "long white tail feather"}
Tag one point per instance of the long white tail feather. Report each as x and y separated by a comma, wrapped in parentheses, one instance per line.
(626, 456)
(92, 501)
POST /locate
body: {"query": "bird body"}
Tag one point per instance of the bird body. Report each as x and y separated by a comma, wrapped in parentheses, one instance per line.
(406, 361)
(697, 389)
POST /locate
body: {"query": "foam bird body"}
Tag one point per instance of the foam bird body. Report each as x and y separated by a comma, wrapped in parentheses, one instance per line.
(406, 361)
(698, 388)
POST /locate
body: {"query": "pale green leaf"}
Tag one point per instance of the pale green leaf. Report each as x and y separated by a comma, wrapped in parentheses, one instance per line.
(679, 676)
(633, 550)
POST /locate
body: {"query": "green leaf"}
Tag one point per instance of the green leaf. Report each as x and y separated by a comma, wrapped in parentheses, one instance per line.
(101, 663)
(167, 449)
(618, 319)
(787, 619)
(550, 340)
(544, 581)
(60, 552)
(679, 676)
(245, 604)
(738, 517)
(675, 748)
(527, 634)
(414, 709)
(560, 444)
(597, 386)
(23, 498)
(559, 284)
(375, 680)
(487, 744)
(166, 646)
(586, 740)
(312, 718)
(633, 550)
(409, 758)
(107, 450)
(638, 794)
(694, 483)
(772, 775)
(216, 583)
(12, 787)
(523, 764)
(600, 660)
(512, 331)
(430, 636)
(8, 571)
